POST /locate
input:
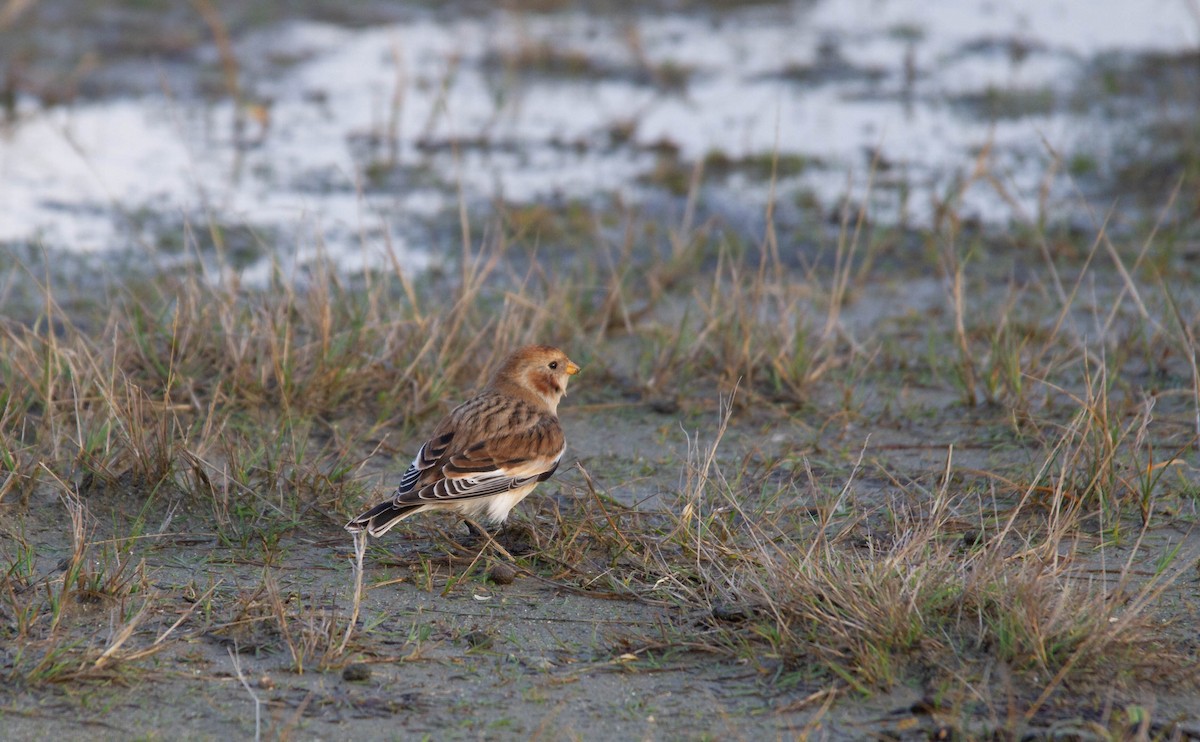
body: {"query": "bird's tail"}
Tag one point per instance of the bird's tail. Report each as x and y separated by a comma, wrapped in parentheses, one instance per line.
(380, 518)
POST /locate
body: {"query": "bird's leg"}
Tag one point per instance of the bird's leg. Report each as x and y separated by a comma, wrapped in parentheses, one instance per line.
(481, 533)
(477, 530)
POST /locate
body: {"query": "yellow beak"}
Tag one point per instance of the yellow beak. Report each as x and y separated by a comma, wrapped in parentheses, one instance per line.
(572, 369)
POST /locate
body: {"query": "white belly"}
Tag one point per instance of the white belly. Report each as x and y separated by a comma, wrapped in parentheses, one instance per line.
(496, 507)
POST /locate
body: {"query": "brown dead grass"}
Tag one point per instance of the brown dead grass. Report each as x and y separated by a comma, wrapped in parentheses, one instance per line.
(259, 408)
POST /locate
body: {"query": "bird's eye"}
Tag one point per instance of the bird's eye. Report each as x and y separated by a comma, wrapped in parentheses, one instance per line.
(553, 364)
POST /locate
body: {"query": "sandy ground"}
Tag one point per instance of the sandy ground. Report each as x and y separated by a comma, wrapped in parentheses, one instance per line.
(538, 658)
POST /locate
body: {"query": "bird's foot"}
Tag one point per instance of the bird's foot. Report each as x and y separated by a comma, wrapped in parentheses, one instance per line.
(517, 538)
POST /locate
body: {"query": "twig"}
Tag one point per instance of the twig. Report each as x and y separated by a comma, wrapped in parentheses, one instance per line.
(237, 667)
(360, 548)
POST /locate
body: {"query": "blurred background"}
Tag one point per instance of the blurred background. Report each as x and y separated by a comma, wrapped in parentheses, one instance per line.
(373, 133)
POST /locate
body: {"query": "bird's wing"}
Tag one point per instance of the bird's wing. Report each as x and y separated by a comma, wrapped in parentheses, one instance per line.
(490, 466)
(429, 455)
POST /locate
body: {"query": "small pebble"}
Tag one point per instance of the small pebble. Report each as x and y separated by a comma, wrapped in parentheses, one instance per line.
(356, 672)
(538, 663)
(502, 573)
(663, 405)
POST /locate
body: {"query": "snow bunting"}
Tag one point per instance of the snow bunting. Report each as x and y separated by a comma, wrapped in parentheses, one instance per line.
(489, 452)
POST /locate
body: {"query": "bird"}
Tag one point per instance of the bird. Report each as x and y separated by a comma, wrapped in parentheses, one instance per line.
(490, 451)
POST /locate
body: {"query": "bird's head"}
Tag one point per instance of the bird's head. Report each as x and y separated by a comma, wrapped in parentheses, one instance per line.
(540, 370)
